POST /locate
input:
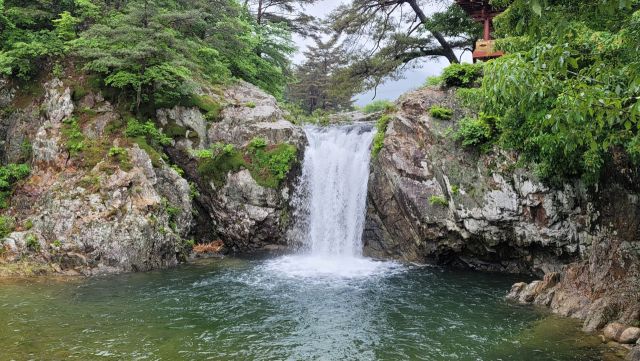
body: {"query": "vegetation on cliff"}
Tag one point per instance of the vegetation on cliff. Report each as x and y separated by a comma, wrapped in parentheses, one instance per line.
(566, 94)
(567, 91)
(267, 164)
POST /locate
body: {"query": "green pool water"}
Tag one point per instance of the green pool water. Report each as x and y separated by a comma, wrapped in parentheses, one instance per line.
(283, 308)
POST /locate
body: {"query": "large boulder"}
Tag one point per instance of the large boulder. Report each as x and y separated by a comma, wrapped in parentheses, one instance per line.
(240, 212)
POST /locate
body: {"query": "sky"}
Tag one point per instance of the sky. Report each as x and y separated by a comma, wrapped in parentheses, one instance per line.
(390, 90)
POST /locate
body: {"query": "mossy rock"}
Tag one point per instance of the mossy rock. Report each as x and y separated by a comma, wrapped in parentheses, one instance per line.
(269, 166)
(205, 103)
(156, 157)
(216, 170)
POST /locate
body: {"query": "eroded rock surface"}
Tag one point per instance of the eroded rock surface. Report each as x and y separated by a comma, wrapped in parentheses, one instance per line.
(433, 201)
(92, 212)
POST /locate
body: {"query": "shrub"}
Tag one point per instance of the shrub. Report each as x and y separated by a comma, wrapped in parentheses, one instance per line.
(377, 106)
(116, 151)
(177, 169)
(256, 143)
(32, 243)
(268, 167)
(432, 81)
(476, 131)
(378, 139)
(193, 192)
(440, 112)
(462, 75)
(79, 93)
(9, 174)
(215, 168)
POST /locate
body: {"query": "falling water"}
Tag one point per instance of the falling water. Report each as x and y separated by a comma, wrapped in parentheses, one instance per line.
(330, 205)
(335, 174)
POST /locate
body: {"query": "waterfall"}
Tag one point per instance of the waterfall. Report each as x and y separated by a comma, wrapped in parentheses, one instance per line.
(332, 197)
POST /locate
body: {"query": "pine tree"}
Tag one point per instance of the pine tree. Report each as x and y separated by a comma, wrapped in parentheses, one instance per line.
(137, 49)
(313, 87)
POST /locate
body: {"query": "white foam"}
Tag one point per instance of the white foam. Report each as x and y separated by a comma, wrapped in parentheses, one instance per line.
(309, 267)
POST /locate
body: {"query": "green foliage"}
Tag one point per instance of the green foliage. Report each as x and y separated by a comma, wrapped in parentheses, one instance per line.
(378, 105)
(172, 211)
(79, 92)
(193, 192)
(268, 167)
(6, 227)
(568, 86)
(378, 139)
(9, 174)
(113, 126)
(148, 138)
(256, 143)
(251, 104)
(28, 224)
(177, 169)
(433, 81)
(312, 88)
(74, 138)
(32, 243)
(27, 149)
(56, 243)
(117, 152)
(65, 27)
(215, 168)
(455, 190)
(438, 200)
(208, 105)
(138, 43)
(440, 112)
(462, 75)
(475, 131)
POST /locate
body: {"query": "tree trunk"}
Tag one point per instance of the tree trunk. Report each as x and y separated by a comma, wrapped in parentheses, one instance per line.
(448, 51)
(259, 11)
(138, 97)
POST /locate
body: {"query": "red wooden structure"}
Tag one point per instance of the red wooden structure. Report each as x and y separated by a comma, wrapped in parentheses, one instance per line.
(481, 11)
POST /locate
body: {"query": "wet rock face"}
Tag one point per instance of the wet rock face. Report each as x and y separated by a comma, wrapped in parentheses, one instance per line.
(432, 201)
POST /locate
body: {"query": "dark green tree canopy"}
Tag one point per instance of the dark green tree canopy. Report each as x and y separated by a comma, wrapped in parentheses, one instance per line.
(139, 43)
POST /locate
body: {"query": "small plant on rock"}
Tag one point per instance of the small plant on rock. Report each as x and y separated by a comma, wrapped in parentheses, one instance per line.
(440, 112)
(32, 243)
(476, 131)
(378, 139)
(438, 200)
(455, 189)
(251, 104)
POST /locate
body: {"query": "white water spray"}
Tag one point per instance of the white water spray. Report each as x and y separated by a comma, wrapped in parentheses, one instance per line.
(330, 206)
